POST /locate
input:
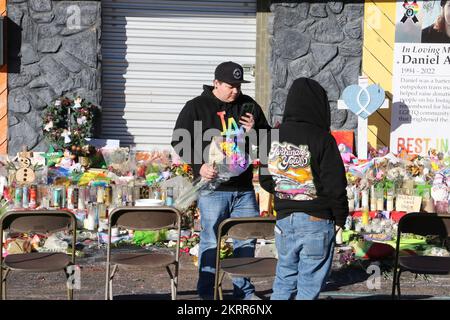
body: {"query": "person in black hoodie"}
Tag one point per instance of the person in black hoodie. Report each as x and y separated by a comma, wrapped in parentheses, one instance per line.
(218, 110)
(305, 173)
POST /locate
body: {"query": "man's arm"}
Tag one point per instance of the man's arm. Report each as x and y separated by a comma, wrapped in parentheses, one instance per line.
(332, 176)
(183, 136)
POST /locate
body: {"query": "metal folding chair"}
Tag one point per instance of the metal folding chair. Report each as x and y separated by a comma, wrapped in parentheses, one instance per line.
(424, 224)
(252, 267)
(37, 221)
(143, 218)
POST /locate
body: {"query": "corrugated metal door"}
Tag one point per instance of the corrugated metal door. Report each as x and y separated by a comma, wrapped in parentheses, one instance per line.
(158, 54)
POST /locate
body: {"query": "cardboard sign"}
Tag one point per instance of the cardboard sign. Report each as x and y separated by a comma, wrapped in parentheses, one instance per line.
(345, 137)
(408, 203)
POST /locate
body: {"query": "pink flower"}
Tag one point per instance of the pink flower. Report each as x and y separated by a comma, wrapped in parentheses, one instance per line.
(379, 175)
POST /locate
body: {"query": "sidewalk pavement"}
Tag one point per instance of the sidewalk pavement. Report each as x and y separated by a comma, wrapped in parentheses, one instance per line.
(344, 283)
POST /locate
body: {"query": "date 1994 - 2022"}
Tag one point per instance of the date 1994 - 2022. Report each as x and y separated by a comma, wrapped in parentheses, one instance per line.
(424, 71)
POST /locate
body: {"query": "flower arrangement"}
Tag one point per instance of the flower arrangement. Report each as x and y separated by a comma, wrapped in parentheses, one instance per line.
(183, 170)
(68, 122)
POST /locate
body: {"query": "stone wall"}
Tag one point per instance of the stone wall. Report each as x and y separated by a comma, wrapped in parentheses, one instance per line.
(53, 50)
(322, 41)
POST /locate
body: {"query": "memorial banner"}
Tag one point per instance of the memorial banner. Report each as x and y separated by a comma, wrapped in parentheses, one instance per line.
(420, 118)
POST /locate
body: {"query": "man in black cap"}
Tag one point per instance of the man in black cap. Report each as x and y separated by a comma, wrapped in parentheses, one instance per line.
(222, 107)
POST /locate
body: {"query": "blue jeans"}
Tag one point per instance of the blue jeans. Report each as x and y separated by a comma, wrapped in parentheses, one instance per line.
(214, 208)
(305, 253)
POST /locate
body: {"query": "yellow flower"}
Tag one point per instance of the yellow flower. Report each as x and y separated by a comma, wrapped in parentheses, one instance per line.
(434, 166)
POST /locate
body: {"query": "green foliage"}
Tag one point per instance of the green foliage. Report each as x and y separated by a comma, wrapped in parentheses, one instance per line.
(149, 237)
(76, 116)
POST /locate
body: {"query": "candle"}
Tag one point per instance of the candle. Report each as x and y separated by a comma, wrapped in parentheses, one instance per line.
(365, 198)
(373, 199)
(389, 203)
(92, 218)
(81, 198)
(380, 204)
(89, 223)
(100, 194)
(351, 205)
(339, 236)
(365, 217)
(356, 196)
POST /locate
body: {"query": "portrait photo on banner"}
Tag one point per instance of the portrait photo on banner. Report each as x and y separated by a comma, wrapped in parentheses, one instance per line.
(423, 22)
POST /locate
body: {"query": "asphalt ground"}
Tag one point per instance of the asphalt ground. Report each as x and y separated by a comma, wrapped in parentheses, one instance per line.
(363, 280)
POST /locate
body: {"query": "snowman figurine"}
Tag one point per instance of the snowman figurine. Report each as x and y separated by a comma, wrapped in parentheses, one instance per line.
(25, 174)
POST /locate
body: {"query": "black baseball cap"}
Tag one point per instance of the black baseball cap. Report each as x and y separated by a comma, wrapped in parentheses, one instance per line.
(230, 72)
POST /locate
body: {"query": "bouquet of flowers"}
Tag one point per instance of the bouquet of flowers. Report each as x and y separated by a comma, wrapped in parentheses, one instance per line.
(119, 161)
(228, 160)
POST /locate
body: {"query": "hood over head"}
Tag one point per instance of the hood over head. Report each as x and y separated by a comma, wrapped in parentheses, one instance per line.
(307, 101)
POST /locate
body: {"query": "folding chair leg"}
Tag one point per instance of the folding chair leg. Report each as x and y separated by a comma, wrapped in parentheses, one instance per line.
(220, 285)
(110, 282)
(398, 286)
(110, 290)
(69, 294)
(173, 282)
(1, 282)
(394, 283)
(108, 276)
(69, 289)
(3, 285)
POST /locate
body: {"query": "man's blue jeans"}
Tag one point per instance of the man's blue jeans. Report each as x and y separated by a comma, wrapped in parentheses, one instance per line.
(214, 208)
(305, 247)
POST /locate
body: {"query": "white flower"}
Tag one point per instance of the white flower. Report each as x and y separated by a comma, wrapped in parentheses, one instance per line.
(66, 135)
(77, 104)
(81, 120)
(48, 126)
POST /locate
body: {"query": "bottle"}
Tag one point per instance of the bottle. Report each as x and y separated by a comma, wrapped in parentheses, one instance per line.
(365, 198)
(169, 196)
(100, 194)
(365, 216)
(339, 236)
(380, 199)
(74, 197)
(108, 195)
(356, 192)
(348, 223)
(25, 197)
(33, 197)
(63, 197)
(18, 197)
(70, 204)
(373, 199)
(390, 202)
(81, 198)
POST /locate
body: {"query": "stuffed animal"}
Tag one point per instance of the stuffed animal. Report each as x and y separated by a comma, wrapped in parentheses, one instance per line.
(67, 161)
(347, 157)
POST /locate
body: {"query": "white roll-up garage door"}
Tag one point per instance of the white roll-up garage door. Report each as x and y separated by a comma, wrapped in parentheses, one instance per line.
(158, 54)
